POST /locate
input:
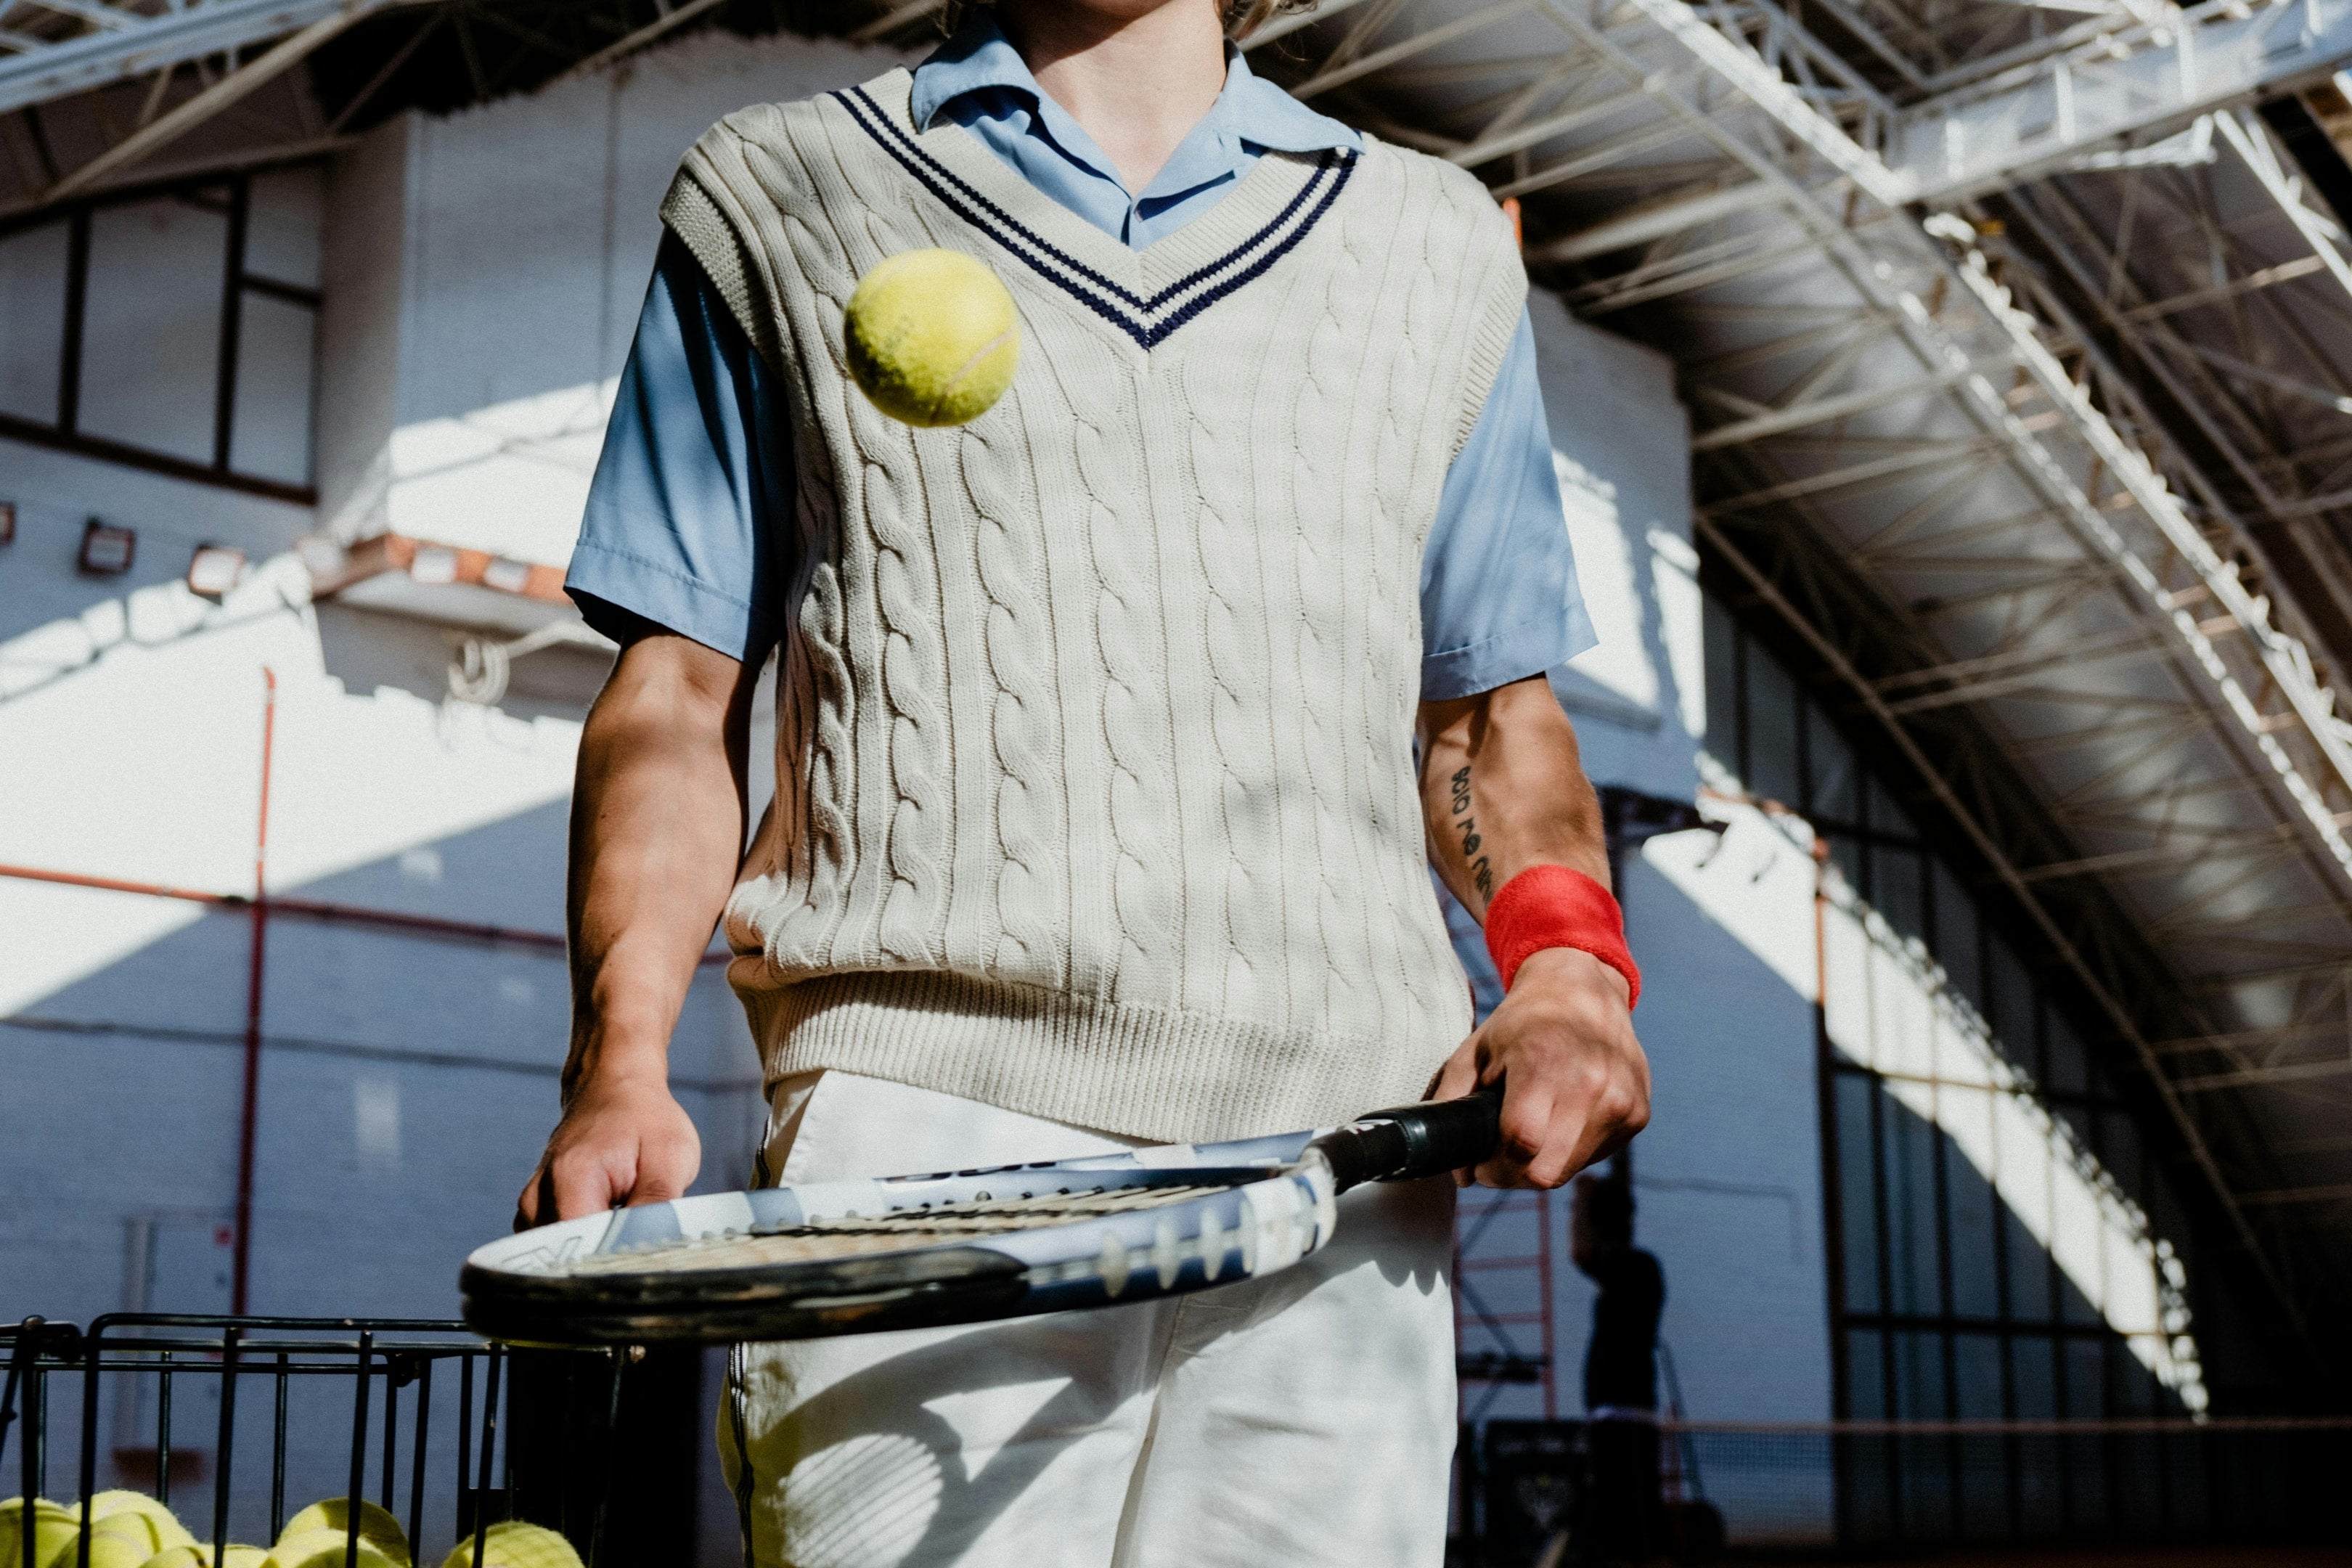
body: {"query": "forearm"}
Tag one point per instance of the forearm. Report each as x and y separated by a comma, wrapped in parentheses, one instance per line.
(657, 825)
(1503, 788)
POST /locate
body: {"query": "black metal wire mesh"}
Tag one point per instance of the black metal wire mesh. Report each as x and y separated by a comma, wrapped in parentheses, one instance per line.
(407, 1413)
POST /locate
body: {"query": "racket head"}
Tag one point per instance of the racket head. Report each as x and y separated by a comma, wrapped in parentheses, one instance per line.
(824, 1258)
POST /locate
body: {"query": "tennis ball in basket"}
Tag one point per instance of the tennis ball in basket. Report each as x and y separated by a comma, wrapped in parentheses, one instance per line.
(125, 1542)
(511, 1543)
(377, 1526)
(53, 1526)
(327, 1549)
(199, 1556)
(137, 1519)
(932, 337)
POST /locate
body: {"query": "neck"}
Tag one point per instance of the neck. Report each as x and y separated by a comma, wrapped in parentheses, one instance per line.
(1138, 75)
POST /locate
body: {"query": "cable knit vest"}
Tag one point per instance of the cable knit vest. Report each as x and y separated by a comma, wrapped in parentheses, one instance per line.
(1095, 793)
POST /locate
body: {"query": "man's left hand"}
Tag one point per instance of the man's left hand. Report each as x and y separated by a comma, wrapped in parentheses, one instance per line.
(1576, 1087)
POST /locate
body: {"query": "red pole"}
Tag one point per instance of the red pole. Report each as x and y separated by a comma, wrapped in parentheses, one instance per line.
(249, 1116)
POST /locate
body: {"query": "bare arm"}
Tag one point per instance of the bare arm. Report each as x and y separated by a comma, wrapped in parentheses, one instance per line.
(1502, 789)
(657, 815)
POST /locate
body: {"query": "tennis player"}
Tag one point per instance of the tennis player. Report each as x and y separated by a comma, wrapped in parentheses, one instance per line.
(1114, 733)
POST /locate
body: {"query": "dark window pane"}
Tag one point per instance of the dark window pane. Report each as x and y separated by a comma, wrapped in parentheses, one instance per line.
(2068, 1071)
(2135, 1475)
(271, 423)
(1984, 1462)
(1956, 936)
(1866, 1375)
(283, 223)
(1926, 1461)
(151, 336)
(1722, 687)
(1898, 888)
(1910, 1177)
(2119, 1151)
(2086, 1379)
(2086, 1457)
(32, 321)
(1865, 1464)
(2033, 1372)
(2029, 1270)
(1887, 816)
(2011, 1005)
(1857, 1194)
(1772, 721)
(2041, 1490)
(1976, 1377)
(1919, 1378)
(1973, 1208)
(1836, 792)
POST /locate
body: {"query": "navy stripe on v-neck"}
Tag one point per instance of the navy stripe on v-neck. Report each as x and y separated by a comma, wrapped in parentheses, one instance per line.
(1147, 321)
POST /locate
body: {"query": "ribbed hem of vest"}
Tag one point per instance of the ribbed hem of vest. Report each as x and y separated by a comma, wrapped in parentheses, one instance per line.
(1140, 1072)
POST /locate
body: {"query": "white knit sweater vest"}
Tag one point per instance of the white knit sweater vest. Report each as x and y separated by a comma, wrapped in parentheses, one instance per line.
(1095, 795)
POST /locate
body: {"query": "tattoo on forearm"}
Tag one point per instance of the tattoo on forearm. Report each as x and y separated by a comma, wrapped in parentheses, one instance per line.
(1482, 875)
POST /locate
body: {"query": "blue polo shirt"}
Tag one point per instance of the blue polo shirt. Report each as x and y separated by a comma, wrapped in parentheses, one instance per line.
(689, 519)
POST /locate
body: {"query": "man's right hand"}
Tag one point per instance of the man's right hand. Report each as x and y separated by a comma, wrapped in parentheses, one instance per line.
(618, 1144)
(657, 815)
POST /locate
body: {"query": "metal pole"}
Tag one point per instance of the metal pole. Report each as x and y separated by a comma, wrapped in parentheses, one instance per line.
(248, 1115)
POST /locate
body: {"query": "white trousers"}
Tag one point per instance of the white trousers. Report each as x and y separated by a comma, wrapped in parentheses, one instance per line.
(1303, 1419)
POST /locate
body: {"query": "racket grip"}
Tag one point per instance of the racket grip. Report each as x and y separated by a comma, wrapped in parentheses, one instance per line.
(1409, 1142)
(1443, 1135)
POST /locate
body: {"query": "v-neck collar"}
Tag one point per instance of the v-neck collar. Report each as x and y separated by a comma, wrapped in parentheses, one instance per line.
(1146, 294)
(980, 60)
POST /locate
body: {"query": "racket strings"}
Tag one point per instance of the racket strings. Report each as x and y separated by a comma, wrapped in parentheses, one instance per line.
(894, 1230)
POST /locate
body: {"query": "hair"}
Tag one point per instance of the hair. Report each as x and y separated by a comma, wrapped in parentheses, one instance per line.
(1242, 17)
(1608, 1207)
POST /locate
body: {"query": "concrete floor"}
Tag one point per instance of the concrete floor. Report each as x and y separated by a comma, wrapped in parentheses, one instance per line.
(2106, 1557)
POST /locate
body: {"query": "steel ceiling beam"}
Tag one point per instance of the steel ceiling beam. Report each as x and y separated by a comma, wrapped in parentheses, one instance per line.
(190, 31)
(2119, 83)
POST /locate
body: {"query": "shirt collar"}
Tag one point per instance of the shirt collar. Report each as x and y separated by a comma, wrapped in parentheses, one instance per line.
(1250, 109)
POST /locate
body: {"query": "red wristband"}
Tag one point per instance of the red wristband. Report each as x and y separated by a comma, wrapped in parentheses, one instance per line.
(1552, 906)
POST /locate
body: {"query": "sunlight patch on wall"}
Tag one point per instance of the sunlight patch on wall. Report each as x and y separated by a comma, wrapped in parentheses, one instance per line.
(1890, 1007)
(130, 748)
(511, 478)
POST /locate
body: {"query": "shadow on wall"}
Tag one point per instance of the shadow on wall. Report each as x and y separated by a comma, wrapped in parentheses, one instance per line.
(407, 1082)
(368, 651)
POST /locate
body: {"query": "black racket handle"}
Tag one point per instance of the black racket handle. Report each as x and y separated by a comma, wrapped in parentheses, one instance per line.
(1414, 1141)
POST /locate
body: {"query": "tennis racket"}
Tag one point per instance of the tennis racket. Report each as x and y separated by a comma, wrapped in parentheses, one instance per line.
(911, 1252)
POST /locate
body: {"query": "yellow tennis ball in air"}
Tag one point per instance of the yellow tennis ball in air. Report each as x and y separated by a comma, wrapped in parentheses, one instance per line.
(53, 1526)
(932, 337)
(511, 1543)
(328, 1548)
(378, 1528)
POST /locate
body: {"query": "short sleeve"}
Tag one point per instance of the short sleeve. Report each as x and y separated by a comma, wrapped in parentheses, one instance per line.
(1498, 593)
(690, 512)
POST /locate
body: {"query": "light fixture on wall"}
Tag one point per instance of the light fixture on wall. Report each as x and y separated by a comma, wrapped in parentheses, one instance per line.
(7, 522)
(107, 551)
(506, 575)
(215, 569)
(435, 564)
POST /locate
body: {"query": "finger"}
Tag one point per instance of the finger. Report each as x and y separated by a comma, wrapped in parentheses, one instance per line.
(663, 1173)
(1459, 1075)
(526, 1214)
(1528, 1108)
(584, 1185)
